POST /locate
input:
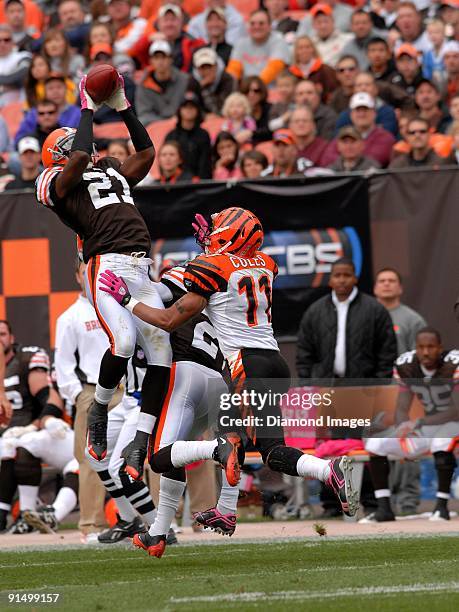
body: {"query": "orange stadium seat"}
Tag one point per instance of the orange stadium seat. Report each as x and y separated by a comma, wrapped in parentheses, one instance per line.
(298, 15)
(111, 130)
(245, 7)
(266, 148)
(158, 131)
(213, 124)
(13, 114)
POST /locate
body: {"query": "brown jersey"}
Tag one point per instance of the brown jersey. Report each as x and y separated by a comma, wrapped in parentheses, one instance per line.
(26, 359)
(100, 209)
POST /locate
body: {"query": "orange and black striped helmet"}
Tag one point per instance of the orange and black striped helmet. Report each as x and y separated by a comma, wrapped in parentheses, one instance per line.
(236, 231)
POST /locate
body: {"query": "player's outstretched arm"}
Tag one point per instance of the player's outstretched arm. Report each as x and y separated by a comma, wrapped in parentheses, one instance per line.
(82, 147)
(138, 165)
(168, 319)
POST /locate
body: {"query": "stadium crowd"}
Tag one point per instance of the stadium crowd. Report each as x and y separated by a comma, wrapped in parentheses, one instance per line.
(287, 88)
(276, 88)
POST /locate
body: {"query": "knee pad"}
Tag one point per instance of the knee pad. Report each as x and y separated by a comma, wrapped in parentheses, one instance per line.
(283, 459)
(176, 474)
(444, 460)
(71, 481)
(27, 468)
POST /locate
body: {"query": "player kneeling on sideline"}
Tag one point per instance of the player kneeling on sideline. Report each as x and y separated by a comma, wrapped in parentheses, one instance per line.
(431, 374)
(233, 281)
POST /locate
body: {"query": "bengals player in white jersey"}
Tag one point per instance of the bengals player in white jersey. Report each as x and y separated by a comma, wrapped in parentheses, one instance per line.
(233, 282)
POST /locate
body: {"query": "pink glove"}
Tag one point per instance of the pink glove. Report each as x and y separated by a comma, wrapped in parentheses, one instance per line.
(115, 286)
(201, 230)
(87, 103)
(118, 100)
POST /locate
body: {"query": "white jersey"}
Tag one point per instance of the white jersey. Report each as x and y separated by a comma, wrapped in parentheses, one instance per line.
(80, 345)
(239, 295)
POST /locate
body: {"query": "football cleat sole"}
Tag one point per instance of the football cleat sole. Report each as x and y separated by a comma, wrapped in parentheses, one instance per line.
(155, 550)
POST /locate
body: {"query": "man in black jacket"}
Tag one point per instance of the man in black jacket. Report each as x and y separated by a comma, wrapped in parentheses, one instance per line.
(346, 335)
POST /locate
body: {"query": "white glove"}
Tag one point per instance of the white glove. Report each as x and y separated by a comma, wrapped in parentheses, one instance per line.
(85, 99)
(18, 432)
(57, 428)
(118, 100)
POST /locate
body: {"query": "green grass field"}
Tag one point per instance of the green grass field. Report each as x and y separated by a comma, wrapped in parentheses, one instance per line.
(420, 573)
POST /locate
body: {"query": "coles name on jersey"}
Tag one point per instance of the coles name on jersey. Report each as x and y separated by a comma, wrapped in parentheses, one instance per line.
(239, 295)
(434, 392)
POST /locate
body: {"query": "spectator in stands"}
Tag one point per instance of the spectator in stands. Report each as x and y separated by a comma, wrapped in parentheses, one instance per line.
(239, 122)
(118, 148)
(214, 82)
(37, 74)
(47, 120)
(257, 94)
(170, 159)
(198, 26)
(324, 116)
(162, 86)
(409, 72)
(421, 153)
(427, 98)
(388, 290)
(347, 69)
(99, 33)
(345, 335)
(410, 29)
(280, 111)
(263, 52)
(29, 150)
(311, 147)
(453, 158)
(23, 35)
(253, 163)
(440, 143)
(127, 30)
(57, 51)
(328, 40)
(351, 145)
(73, 24)
(55, 91)
(432, 60)
(13, 68)
(380, 61)
(378, 141)
(171, 28)
(216, 26)
(363, 31)
(285, 155)
(451, 61)
(193, 140)
(384, 14)
(342, 14)
(280, 19)
(307, 64)
(4, 137)
(385, 114)
(225, 154)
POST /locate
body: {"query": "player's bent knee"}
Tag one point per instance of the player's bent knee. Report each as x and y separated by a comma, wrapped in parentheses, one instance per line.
(282, 459)
(444, 460)
(160, 462)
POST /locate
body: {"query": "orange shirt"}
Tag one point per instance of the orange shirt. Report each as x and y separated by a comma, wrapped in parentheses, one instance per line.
(33, 15)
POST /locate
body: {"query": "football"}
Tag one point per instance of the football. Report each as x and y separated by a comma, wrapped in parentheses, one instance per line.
(101, 82)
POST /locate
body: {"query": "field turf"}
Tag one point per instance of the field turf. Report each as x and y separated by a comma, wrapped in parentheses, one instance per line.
(417, 573)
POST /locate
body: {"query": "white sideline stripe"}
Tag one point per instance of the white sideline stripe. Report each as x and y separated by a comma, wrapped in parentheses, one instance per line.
(300, 595)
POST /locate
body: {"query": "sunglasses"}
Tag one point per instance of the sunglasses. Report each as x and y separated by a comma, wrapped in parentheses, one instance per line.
(255, 90)
(347, 69)
(41, 113)
(413, 132)
(6, 40)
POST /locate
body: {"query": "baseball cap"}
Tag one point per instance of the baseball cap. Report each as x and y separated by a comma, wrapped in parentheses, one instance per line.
(285, 136)
(170, 8)
(204, 56)
(451, 3)
(407, 49)
(321, 7)
(55, 75)
(28, 143)
(218, 11)
(100, 48)
(349, 131)
(160, 46)
(451, 46)
(190, 97)
(361, 99)
(423, 81)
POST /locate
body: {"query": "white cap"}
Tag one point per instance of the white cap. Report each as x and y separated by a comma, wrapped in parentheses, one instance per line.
(170, 8)
(28, 143)
(204, 56)
(160, 46)
(361, 99)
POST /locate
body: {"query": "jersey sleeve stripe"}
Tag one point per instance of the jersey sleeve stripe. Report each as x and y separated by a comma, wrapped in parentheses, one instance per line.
(43, 185)
(217, 280)
(201, 280)
(206, 264)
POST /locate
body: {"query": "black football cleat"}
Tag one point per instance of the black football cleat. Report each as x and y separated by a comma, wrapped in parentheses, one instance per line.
(121, 530)
(441, 513)
(171, 538)
(42, 519)
(154, 545)
(20, 527)
(97, 431)
(380, 515)
(215, 520)
(229, 453)
(340, 481)
(134, 455)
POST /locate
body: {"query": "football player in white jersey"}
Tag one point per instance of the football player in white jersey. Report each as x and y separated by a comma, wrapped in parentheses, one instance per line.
(233, 282)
